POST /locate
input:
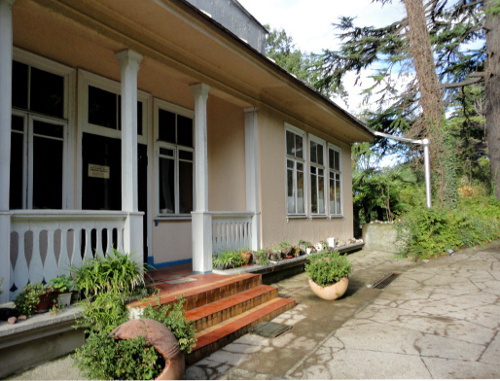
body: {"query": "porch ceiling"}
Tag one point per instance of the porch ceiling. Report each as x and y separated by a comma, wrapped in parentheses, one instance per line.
(191, 47)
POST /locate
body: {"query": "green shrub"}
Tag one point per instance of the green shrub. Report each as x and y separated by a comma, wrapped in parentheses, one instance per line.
(105, 358)
(261, 257)
(116, 272)
(173, 317)
(428, 232)
(328, 268)
(27, 300)
(228, 259)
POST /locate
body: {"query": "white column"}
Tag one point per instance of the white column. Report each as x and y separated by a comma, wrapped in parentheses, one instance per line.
(252, 173)
(130, 62)
(201, 219)
(6, 41)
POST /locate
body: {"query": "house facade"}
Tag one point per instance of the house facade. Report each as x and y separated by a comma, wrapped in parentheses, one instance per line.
(151, 128)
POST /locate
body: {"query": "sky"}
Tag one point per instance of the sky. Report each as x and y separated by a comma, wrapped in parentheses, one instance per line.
(309, 23)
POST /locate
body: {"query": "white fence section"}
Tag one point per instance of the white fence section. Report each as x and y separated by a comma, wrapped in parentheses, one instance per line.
(45, 244)
(231, 231)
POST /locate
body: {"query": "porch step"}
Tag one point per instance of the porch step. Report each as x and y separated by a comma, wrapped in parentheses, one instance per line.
(214, 338)
(222, 307)
(216, 312)
(203, 289)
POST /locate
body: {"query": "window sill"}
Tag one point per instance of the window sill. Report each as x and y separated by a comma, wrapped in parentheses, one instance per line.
(159, 219)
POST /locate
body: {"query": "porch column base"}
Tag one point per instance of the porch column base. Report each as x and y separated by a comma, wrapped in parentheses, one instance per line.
(202, 241)
(132, 237)
(5, 256)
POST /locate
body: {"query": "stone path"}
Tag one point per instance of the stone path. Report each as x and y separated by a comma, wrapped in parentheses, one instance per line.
(439, 319)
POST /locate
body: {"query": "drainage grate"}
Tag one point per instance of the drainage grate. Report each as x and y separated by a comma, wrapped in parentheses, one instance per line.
(385, 281)
(270, 329)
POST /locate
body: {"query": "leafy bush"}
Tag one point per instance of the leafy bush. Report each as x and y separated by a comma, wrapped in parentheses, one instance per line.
(116, 273)
(429, 232)
(27, 300)
(228, 259)
(105, 358)
(173, 317)
(328, 268)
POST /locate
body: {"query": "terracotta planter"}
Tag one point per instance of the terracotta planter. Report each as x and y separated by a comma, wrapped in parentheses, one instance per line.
(160, 337)
(331, 292)
(46, 301)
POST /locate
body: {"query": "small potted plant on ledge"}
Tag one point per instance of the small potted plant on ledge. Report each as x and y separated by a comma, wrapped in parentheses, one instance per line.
(328, 274)
(35, 297)
(63, 285)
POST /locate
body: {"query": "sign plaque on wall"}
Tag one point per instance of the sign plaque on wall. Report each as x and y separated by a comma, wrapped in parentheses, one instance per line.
(99, 171)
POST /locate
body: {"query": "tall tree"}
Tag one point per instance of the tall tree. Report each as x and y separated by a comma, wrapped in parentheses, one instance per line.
(446, 40)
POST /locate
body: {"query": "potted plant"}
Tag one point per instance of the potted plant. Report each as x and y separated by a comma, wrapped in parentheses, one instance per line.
(35, 297)
(63, 285)
(228, 259)
(328, 274)
(261, 257)
(246, 255)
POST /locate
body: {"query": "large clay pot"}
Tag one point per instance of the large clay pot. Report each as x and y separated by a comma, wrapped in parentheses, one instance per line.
(160, 337)
(330, 292)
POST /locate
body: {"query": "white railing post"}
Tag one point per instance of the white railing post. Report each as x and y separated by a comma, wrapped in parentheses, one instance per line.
(6, 43)
(252, 173)
(201, 219)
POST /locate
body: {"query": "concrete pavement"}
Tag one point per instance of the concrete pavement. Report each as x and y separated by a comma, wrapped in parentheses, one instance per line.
(438, 319)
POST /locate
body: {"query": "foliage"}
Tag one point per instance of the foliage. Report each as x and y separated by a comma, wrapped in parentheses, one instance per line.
(261, 257)
(173, 317)
(430, 232)
(105, 358)
(327, 268)
(117, 273)
(228, 259)
(62, 283)
(27, 300)
(103, 313)
(281, 49)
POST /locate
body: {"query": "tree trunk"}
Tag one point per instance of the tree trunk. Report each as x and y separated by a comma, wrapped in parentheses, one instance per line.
(492, 91)
(431, 102)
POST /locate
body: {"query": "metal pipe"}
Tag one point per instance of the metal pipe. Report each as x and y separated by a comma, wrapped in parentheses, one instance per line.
(427, 163)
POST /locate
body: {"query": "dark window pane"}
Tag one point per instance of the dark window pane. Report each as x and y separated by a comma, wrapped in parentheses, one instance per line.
(313, 152)
(290, 195)
(167, 181)
(16, 165)
(47, 173)
(290, 143)
(17, 123)
(139, 118)
(166, 121)
(185, 155)
(185, 187)
(299, 143)
(19, 85)
(314, 194)
(320, 154)
(103, 108)
(101, 173)
(47, 93)
(184, 131)
(48, 129)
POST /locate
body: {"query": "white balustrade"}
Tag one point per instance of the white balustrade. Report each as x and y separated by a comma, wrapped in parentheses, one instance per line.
(231, 230)
(46, 243)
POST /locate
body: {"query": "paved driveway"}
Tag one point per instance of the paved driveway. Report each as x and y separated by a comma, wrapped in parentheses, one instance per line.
(438, 319)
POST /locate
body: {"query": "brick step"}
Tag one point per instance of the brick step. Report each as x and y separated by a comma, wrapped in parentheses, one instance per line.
(203, 289)
(219, 335)
(220, 310)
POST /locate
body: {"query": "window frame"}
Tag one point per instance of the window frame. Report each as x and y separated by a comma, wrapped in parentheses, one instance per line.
(303, 161)
(67, 121)
(159, 144)
(339, 173)
(318, 166)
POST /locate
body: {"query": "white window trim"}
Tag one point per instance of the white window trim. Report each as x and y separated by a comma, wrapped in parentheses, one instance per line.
(159, 104)
(86, 79)
(339, 150)
(305, 151)
(321, 142)
(69, 75)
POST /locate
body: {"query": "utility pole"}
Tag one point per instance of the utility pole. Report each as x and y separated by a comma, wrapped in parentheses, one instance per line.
(427, 163)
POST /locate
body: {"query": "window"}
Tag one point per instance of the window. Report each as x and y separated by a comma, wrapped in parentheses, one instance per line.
(317, 174)
(321, 165)
(175, 160)
(335, 191)
(39, 131)
(295, 165)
